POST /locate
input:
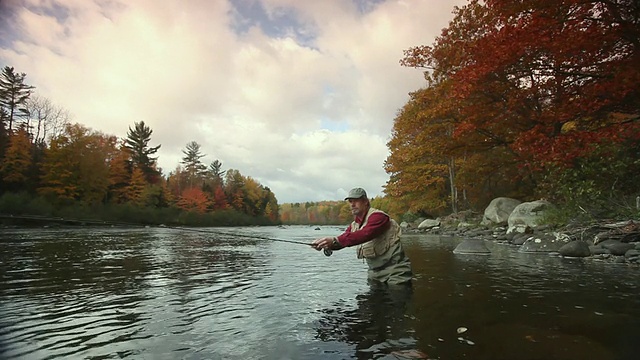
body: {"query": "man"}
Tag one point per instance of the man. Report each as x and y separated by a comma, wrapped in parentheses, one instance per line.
(377, 238)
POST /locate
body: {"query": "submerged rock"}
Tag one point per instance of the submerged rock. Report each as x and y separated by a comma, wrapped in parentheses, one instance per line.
(472, 246)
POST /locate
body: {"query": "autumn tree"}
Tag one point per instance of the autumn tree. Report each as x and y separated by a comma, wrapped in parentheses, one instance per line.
(136, 187)
(75, 165)
(421, 163)
(119, 175)
(17, 160)
(137, 142)
(193, 199)
(539, 87)
(219, 201)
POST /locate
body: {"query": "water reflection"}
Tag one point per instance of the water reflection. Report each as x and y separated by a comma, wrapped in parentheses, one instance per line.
(378, 325)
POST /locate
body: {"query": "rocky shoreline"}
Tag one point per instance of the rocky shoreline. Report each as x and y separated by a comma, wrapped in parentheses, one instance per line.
(607, 240)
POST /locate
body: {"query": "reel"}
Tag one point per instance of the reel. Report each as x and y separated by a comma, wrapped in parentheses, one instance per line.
(327, 252)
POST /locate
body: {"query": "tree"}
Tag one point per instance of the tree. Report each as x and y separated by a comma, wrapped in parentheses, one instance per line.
(538, 87)
(119, 176)
(13, 95)
(75, 166)
(17, 160)
(192, 164)
(219, 199)
(193, 199)
(49, 119)
(137, 142)
(234, 189)
(421, 163)
(136, 187)
(215, 172)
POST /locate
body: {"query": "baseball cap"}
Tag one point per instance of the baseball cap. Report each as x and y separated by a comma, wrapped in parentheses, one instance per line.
(356, 193)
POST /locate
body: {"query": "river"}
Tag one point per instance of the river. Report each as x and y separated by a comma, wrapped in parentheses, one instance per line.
(162, 293)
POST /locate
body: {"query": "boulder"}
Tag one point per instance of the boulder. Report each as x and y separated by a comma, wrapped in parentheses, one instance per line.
(428, 224)
(498, 210)
(575, 248)
(527, 215)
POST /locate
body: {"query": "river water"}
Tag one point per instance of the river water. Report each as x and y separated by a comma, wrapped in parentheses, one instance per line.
(160, 293)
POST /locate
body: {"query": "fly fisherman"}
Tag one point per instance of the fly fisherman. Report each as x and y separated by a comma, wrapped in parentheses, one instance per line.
(377, 238)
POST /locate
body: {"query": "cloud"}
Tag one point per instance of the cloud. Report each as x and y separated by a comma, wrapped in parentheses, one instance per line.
(300, 96)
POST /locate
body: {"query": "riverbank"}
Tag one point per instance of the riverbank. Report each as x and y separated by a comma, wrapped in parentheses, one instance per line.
(605, 240)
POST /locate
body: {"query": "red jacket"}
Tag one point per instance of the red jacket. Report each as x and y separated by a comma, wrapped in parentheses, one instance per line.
(377, 224)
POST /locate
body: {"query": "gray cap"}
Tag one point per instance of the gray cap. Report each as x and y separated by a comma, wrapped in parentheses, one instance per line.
(356, 193)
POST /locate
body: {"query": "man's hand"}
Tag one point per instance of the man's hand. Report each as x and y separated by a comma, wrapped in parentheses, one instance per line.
(323, 243)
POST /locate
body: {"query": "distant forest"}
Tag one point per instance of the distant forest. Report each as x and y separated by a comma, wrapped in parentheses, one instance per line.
(52, 167)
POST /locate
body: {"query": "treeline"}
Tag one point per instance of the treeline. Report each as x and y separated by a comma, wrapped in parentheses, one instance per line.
(526, 99)
(52, 167)
(324, 212)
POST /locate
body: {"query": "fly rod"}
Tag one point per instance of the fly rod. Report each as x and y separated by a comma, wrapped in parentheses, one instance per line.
(327, 252)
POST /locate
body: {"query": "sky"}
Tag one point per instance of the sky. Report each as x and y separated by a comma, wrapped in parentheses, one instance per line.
(298, 95)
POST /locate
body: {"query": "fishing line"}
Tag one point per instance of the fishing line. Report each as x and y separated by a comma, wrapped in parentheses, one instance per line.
(327, 252)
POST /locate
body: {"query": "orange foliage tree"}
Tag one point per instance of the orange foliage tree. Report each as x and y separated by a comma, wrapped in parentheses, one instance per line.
(538, 86)
(17, 159)
(75, 166)
(193, 199)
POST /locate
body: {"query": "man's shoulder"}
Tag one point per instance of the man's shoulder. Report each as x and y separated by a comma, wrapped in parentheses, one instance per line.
(377, 211)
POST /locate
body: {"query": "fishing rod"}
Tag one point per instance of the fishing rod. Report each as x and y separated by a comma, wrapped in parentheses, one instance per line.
(327, 252)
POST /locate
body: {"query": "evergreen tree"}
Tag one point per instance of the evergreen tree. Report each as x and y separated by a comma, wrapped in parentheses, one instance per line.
(216, 173)
(137, 143)
(194, 168)
(14, 94)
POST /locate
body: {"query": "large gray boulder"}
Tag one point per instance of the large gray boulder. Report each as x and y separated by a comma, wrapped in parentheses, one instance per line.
(498, 210)
(527, 215)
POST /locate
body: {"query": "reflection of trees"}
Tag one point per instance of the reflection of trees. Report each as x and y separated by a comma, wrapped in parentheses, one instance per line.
(377, 325)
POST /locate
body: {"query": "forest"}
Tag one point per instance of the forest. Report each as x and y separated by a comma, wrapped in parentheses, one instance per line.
(524, 99)
(51, 167)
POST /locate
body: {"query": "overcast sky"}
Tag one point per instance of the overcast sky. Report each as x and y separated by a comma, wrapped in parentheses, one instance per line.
(299, 95)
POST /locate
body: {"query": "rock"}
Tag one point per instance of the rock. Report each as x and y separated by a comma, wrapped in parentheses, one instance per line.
(428, 224)
(575, 248)
(632, 253)
(598, 250)
(616, 247)
(545, 243)
(472, 246)
(527, 214)
(498, 211)
(519, 238)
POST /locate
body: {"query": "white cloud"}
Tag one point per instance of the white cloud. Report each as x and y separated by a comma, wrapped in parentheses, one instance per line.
(306, 113)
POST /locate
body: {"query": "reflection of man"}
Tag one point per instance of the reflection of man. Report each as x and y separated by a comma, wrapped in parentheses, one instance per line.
(378, 239)
(377, 326)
